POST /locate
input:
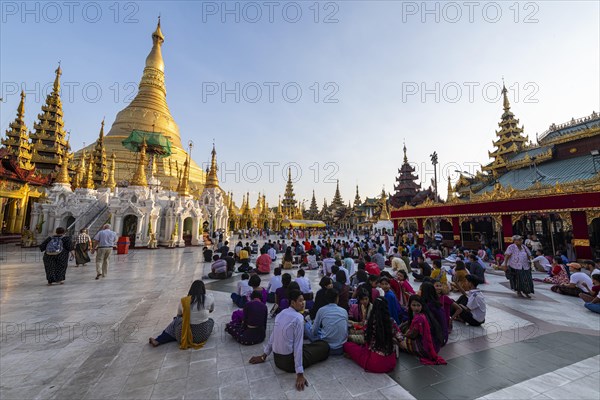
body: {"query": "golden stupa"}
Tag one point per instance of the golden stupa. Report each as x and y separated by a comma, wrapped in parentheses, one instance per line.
(149, 112)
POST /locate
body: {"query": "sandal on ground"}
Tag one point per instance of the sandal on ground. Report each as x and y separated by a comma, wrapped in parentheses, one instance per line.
(153, 342)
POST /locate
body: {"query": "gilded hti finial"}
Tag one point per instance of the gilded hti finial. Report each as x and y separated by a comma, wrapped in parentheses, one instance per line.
(56, 86)
(212, 180)
(139, 177)
(506, 104)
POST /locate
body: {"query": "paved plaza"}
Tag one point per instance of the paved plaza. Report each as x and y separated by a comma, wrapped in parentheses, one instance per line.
(88, 339)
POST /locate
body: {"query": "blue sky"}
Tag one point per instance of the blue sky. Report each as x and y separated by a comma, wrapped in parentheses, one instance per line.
(370, 68)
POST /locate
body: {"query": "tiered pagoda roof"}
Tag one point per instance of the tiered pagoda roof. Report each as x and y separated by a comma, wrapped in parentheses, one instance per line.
(17, 139)
(289, 203)
(407, 187)
(49, 139)
(510, 140)
(99, 164)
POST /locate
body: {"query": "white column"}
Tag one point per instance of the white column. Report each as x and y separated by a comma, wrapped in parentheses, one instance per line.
(180, 241)
(46, 223)
(117, 225)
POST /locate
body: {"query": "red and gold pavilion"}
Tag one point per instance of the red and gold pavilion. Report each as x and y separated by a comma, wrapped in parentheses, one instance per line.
(551, 189)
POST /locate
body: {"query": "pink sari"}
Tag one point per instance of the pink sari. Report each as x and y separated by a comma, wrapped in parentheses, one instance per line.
(422, 346)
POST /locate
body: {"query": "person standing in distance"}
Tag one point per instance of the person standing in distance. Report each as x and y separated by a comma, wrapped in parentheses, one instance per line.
(103, 244)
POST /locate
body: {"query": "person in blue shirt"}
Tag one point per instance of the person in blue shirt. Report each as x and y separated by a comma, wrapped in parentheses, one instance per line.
(396, 312)
(330, 324)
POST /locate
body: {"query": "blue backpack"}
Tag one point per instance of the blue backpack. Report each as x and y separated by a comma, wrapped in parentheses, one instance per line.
(55, 246)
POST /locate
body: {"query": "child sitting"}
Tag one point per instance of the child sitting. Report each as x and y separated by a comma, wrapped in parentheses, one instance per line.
(472, 304)
(243, 291)
(274, 284)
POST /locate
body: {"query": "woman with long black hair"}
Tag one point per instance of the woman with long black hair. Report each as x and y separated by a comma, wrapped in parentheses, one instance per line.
(377, 354)
(192, 326)
(431, 299)
(419, 331)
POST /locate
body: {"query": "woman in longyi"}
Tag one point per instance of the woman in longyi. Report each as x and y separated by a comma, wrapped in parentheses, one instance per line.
(192, 326)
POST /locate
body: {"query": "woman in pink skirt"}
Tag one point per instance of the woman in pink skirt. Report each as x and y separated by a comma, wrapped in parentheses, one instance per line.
(377, 354)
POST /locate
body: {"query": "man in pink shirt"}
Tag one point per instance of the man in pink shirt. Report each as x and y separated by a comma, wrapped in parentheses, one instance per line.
(263, 263)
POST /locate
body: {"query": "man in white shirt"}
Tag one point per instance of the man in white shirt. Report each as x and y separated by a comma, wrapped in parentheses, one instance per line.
(287, 342)
(303, 282)
(591, 266)
(272, 253)
(327, 264)
(274, 284)
(103, 244)
(472, 303)
(576, 282)
(541, 263)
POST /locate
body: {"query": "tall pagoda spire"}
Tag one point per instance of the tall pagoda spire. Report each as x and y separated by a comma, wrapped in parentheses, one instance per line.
(50, 136)
(81, 170)
(88, 180)
(313, 210)
(17, 139)
(357, 201)
(510, 139)
(289, 203)
(149, 112)
(99, 159)
(384, 215)
(110, 182)
(407, 186)
(337, 201)
(212, 181)
(184, 187)
(139, 177)
(450, 190)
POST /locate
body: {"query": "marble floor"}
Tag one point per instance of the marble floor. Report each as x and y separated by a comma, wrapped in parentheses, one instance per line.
(87, 339)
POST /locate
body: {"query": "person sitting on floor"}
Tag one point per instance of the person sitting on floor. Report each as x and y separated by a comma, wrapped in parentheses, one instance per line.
(371, 267)
(460, 274)
(418, 331)
(253, 327)
(476, 267)
(330, 325)
(594, 304)
(311, 260)
(320, 298)
(438, 273)
(304, 284)
(396, 312)
(263, 263)
(377, 354)
(558, 273)
(254, 283)
(579, 282)
(192, 326)
(593, 291)
(540, 262)
(424, 267)
(281, 294)
(431, 299)
(358, 314)
(339, 284)
(472, 304)
(274, 284)
(207, 254)
(219, 269)
(242, 292)
(290, 354)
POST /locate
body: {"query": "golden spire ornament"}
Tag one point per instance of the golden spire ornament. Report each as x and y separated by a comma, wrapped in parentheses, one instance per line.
(63, 175)
(110, 182)
(139, 177)
(212, 181)
(89, 176)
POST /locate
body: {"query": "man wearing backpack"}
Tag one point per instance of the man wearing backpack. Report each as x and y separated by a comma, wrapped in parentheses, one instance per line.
(104, 241)
(56, 256)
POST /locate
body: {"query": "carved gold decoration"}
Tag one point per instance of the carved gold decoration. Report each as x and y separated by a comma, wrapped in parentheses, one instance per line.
(498, 220)
(517, 217)
(507, 239)
(456, 237)
(581, 242)
(591, 215)
(591, 128)
(566, 220)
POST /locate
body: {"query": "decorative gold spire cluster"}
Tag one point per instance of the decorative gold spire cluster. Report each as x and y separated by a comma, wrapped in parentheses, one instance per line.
(100, 170)
(50, 137)
(139, 177)
(510, 139)
(17, 138)
(212, 181)
(110, 182)
(81, 170)
(184, 183)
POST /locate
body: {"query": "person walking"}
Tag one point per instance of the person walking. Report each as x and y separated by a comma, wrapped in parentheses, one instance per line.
(83, 243)
(518, 268)
(103, 244)
(56, 256)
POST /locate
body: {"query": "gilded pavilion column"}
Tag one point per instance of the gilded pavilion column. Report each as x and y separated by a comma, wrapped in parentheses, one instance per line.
(507, 230)
(12, 216)
(21, 211)
(456, 231)
(421, 230)
(581, 238)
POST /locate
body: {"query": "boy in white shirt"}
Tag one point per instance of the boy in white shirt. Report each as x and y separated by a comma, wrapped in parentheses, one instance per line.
(274, 284)
(243, 291)
(304, 284)
(472, 304)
